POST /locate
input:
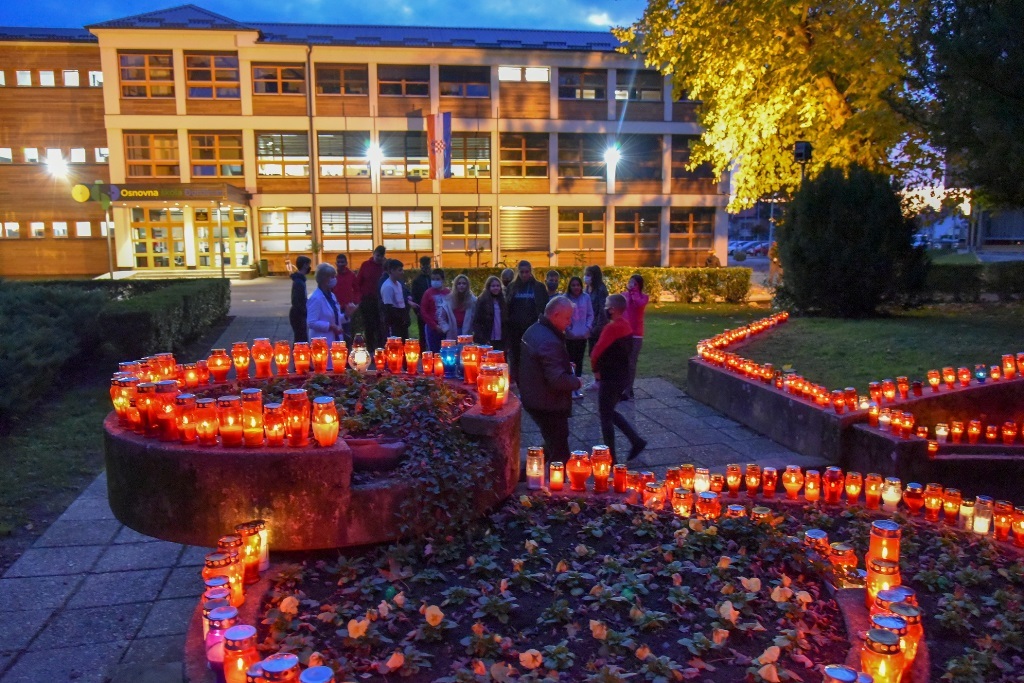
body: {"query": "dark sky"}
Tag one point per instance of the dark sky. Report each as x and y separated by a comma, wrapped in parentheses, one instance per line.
(544, 14)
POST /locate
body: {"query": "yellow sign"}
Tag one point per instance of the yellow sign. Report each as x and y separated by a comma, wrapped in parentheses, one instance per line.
(81, 193)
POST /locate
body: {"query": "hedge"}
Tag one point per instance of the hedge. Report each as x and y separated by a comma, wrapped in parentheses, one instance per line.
(684, 284)
(167, 319)
(967, 282)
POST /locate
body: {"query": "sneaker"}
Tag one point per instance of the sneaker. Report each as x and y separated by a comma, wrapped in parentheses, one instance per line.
(577, 394)
(636, 450)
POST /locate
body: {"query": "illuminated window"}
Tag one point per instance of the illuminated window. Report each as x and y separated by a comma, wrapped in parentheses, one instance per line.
(71, 78)
(6, 155)
(282, 155)
(691, 228)
(581, 229)
(343, 154)
(403, 81)
(54, 156)
(146, 75)
(285, 231)
(582, 84)
(31, 155)
(404, 154)
(524, 155)
(60, 229)
(77, 155)
(3, 78)
(347, 230)
(102, 155)
(466, 230)
(581, 155)
(342, 79)
(279, 79)
(212, 76)
(47, 79)
(83, 229)
(638, 85)
(24, 78)
(37, 229)
(216, 155)
(465, 81)
(95, 79)
(471, 155)
(151, 155)
(528, 74)
(12, 230)
(408, 230)
(638, 228)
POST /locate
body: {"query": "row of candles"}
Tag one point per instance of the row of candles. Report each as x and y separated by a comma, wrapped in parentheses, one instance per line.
(231, 646)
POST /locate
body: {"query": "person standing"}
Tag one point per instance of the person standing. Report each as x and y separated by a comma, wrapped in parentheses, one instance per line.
(546, 381)
(431, 304)
(345, 290)
(490, 315)
(636, 304)
(593, 278)
(610, 360)
(526, 299)
(507, 276)
(324, 316)
(297, 313)
(458, 308)
(581, 326)
(551, 281)
(368, 290)
(420, 284)
(393, 300)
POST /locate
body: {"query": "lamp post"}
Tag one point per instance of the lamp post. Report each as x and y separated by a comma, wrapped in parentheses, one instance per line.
(802, 153)
(612, 155)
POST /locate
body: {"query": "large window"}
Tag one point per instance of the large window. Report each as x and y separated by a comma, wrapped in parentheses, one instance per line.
(151, 155)
(581, 155)
(640, 158)
(408, 229)
(212, 76)
(278, 79)
(404, 154)
(216, 155)
(403, 81)
(691, 228)
(638, 228)
(11, 231)
(342, 79)
(582, 84)
(343, 154)
(347, 230)
(581, 229)
(471, 155)
(285, 231)
(681, 159)
(465, 81)
(524, 74)
(524, 155)
(466, 230)
(638, 86)
(282, 155)
(147, 75)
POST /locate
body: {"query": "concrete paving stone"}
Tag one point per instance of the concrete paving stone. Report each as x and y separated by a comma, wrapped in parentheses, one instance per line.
(657, 387)
(806, 462)
(88, 508)
(98, 488)
(155, 650)
(654, 457)
(759, 447)
(721, 422)
(675, 419)
(713, 455)
(113, 588)
(55, 561)
(662, 439)
(40, 592)
(701, 436)
(68, 532)
(138, 556)
(683, 400)
(17, 629)
(184, 582)
(168, 617)
(82, 664)
(740, 433)
(195, 556)
(166, 672)
(128, 535)
(93, 625)
(645, 405)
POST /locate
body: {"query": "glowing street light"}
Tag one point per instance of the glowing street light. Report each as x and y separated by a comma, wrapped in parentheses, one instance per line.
(612, 155)
(57, 167)
(374, 155)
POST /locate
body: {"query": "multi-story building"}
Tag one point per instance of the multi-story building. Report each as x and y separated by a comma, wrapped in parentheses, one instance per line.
(265, 141)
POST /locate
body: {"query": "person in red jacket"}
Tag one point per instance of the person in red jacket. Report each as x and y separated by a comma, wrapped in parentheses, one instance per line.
(610, 360)
(345, 291)
(368, 289)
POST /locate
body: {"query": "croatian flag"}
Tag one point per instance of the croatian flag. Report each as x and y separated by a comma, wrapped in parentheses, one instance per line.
(439, 144)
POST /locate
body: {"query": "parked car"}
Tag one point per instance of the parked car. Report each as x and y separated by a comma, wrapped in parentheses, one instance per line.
(737, 247)
(757, 249)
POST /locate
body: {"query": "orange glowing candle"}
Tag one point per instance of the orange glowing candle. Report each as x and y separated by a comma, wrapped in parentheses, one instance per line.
(913, 498)
(301, 358)
(325, 421)
(578, 469)
(951, 500)
(1002, 518)
(792, 481)
(556, 476)
(274, 423)
(206, 421)
(934, 380)
(229, 414)
(339, 356)
(932, 501)
(262, 354)
(872, 490)
(240, 357)
(219, 364)
(319, 353)
(854, 484)
(601, 461)
(732, 479)
(412, 357)
(753, 479)
(252, 417)
(282, 357)
(956, 431)
(812, 486)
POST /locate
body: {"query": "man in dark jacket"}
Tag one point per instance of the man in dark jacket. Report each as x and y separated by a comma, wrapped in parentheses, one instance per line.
(526, 300)
(419, 287)
(297, 313)
(546, 379)
(610, 360)
(368, 286)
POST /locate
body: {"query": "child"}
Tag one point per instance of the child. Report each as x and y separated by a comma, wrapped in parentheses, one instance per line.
(636, 303)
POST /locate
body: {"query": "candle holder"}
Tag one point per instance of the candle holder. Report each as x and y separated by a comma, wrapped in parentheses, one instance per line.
(449, 357)
(991, 434)
(709, 505)
(184, 414)
(207, 423)
(792, 481)
(973, 431)
(162, 410)
(812, 486)
(319, 354)
(219, 364)
(301, 357)
(832, 485)
(854, 483)
(752, 479)
(942, 432)
(956, 431)
(891, 494)
(875, 391)
(274, 423)
(428, 363)
(325, 421)
(982, 515)
(733, 478)
(240, 357)
(882, 574)
(297, 416)
(488, 385)
(769, 481)
(911, 641)
(359, 359)
(601, 461)
(966, 517)
(219, 621)
(394, 354)
(872, 490)
(470, 362)
(339, 356)
(817, 540)
(949, 377)
(239, 652)
(932, 502)
(619, 473)
(963, 375)
(1002, 518)
(229, 414)
(262, 355)
(249, 533)
(880, 657)
(701, 480)
(578, 469)
(951, 499)
(980, 372)
(411, 350)
(873, 413)
(888, 390)
(556, 476)
(1009, 432)
(682, 502)
(534, 468)
(252, 416)
(687, 473)
(934, 380)
(1018, 526)
(735, 511)
(282, 357)
(913, 498)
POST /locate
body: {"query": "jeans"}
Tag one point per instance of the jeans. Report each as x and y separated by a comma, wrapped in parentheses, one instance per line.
(299, 329)
(434, 338)
(634, 356)
(608, 396)
(554, 429)
(577, 348)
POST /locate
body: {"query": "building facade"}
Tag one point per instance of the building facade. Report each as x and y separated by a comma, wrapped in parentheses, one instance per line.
(227, 143)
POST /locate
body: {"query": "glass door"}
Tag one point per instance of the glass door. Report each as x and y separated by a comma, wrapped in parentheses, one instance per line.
(233, 233)
(158, 237)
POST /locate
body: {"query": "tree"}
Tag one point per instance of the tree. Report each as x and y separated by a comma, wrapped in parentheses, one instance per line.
(771, 72)
(846, 246)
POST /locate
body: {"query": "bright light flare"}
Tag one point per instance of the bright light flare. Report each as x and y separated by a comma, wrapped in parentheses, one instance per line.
(612, 156)
(57, 167)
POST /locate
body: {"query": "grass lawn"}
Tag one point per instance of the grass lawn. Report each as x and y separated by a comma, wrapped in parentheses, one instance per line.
(949, 257)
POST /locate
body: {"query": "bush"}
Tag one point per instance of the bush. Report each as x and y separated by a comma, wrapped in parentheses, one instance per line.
(961, 281)
(1005, 279)
(166, 319)
(846, 246)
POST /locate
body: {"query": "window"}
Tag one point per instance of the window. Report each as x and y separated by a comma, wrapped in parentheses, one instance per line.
(71, 78)
(404, 154)
(681, 159)
(691, 228)
(343, 154)
(638, 86)
(403, 81)
(216, 155)
(6, 155)
(408, 229)
(638, 228)
(60, 229)
(95, 79)
(284, 79)
(524, 155)
(3, 78)
(529, 74)
(282, 155)
(47, 79)
(640, 158)
(347, 229)
(83, 229)
(465, 81)
(212, 76)
(581, 155)
(146, 75)
(471, 155)
(31, 155)
(106, 227)
(581, 84)
(37, 229)
(54, 156)
(78, 155)
(102, 155)
(285, 230)
(24, 79)
(12, 230)
(466, 230)
(580, 229)
(342, 79)
(151, 155)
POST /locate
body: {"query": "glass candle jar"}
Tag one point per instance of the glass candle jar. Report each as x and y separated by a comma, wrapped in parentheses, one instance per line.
(219, 620)
(601, 462)
(619, 478)
(884, 540)
(682, 502)
(934, 380)
(875, 391)
(1002, 518)
(339, 356)
(250, 535)
(980, 372)
(162, 410)
(319, 354)
(853, 483)
(147, 402)
(832, 485)
(891, 494)
(325, 421)
(411, 351)
(394, 354)
(956, 431)
(281, 668)
(913, 498)
(873, 413)
(885, 599)
(941, 432)
(951, 504)
(817, 540)
(274, 424)
(732, 479)
(317, 674)
(185, 416)
(735, 511)
(218, 597)
(769, 482)
(949, 377)
(760, 513)
(229, 414)
(427, 359)
(888, 390)
(556, 476)
(966, 517)
(893, 624)
(881, 657)
(262, 355)
(1009, 433)
(753, 479)
(885, 419)
(701, 480)
(226, 565)
(812, 486)
(932, 501)
(687, 474)
(207, 422)
(672, 478)
(297, 416)
(991, 434)
(534, 468)
(219, 364)
(240, 357)
(252, 417)
(911, 641)
(282, 357)
(302, 356)
(449, 357)
(654, 496)
(717, 483)
(963, 375)
(882, 574)
(792, 481)
(973, 431)
(709, 505)
(838, 673)
(359, 358)
(578, 469)
(470, 361)
(239, 652)
(488, 381)
(982, 514)
(632, 480)
(843, 559)
(838, 400)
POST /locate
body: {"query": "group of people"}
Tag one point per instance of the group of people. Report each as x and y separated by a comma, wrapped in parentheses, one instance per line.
(545, 332)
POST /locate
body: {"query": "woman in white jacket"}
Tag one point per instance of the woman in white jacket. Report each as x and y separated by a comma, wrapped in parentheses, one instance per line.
(455, 316)
(323, 315)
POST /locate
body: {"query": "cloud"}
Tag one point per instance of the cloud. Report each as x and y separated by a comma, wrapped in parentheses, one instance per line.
(600, 19)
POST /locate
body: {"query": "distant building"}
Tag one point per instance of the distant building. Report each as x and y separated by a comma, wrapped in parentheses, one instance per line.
(269, 139)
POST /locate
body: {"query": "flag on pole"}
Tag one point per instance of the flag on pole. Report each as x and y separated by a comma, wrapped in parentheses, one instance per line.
(439, 144)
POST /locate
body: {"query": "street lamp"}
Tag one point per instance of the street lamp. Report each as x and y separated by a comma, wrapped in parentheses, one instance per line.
(802, 153)
(612, 155)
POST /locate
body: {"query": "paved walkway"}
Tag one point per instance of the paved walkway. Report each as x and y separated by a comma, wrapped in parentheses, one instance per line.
(93, 601)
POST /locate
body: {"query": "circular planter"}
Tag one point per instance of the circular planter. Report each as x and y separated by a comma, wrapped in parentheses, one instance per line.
(375, 455)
